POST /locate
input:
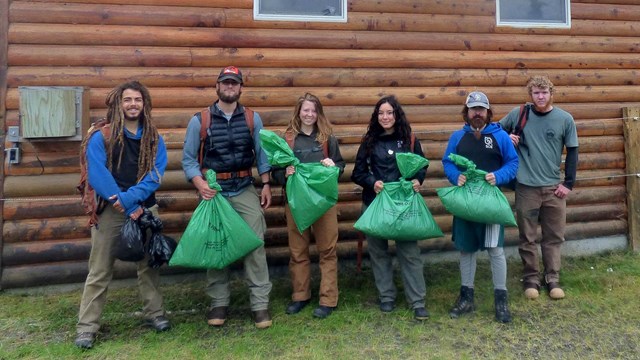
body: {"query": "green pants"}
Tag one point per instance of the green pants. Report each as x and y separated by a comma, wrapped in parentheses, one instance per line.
(94, 296)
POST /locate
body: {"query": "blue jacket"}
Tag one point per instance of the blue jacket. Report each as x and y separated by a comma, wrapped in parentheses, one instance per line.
(494, 152)
(101, 179)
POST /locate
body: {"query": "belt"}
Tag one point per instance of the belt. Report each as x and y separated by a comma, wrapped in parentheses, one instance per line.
(233, 174)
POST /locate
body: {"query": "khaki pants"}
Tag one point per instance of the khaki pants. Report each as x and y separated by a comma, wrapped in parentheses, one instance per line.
(94, 296)
(325, 232)
(256, 271)
(538, 205)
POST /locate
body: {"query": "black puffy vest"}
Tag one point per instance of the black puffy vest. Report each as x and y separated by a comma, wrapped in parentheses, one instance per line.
(229, 147)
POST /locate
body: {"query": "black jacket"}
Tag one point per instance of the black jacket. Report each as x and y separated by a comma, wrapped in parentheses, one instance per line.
(381, 164)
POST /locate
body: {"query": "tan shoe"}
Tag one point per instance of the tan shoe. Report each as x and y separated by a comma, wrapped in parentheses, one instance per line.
(531, 290)
(555, 292)
(531, 293)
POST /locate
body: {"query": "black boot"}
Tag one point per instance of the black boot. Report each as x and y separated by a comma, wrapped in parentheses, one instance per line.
(502, 309)
(464, 304)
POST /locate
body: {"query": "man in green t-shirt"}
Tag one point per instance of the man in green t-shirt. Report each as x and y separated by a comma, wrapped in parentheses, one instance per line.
(541, 195)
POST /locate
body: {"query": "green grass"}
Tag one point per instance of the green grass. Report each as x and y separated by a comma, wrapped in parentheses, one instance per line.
(599, 319)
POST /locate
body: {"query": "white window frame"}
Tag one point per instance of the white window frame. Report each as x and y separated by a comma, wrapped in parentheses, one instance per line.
(293, 17)
(535, 24)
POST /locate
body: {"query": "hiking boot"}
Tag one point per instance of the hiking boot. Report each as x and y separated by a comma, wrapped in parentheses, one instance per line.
(555, 292)
(262, 319)
(502, 309)
(420, 314)
(531, 290)
(387, 306)
(85, 340)
(296, 306)
(217, 316)
(159, 323)
(464, 304)
(322, 311)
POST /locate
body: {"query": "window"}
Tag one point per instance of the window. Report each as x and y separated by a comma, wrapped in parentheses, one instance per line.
(533, 13)
(300, 10)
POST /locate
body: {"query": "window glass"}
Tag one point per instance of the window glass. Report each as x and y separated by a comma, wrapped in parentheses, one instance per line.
(300, 10)
(533, 13)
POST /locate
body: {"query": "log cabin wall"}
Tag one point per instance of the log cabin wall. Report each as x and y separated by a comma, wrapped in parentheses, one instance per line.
(428, 53)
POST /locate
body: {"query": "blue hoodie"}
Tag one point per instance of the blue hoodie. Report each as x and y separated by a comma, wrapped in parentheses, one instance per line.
(494, 152)
(102, 181)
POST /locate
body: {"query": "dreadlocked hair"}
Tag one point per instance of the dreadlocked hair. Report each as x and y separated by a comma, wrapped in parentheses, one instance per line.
(149, 140)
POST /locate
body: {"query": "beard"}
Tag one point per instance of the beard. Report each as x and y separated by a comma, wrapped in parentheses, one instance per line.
(478, 122)
(132, 118)
(229, 99)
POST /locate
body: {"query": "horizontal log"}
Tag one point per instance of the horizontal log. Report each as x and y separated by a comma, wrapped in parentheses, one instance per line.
(97, 77)
(240, 4)
(83, 34)
(37, 252)
(183, 16)
(64, 163)
(76, 271)
(606, 114)
(357, 96)
(65, 184)
(76, 227)
(609, 10)
(70, 55)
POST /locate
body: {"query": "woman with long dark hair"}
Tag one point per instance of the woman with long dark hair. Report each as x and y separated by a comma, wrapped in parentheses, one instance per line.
(389, 133)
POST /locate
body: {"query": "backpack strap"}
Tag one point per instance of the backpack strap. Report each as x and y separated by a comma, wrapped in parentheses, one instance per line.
(205, 122)
(248, 117)
(522, 119)
(412, 142)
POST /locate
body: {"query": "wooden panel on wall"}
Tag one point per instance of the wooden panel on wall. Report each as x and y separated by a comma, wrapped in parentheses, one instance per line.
(632, 149)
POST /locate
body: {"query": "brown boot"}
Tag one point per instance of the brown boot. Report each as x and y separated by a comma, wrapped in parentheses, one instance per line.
(262, 319)
(217, 316)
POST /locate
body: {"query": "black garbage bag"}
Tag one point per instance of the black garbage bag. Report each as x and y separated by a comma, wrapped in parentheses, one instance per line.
(148, 221)
(130, 245)
(161, 248)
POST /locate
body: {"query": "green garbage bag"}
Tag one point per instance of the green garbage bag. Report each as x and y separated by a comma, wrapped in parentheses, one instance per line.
(216, 235)
(398, 212)
(476, 200)
(311, 190)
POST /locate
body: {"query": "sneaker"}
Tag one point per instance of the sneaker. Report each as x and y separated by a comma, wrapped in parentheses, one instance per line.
(322, 311)
(262, 319)
(555, 292)
(296, 306)
(85, 340)
(387, 306)
(531, 291)
(217, 316)
(420, 314)
(159, 323)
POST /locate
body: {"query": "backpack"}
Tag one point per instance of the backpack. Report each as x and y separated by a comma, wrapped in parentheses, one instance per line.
(90, 202)
(288, 136)
(205, 122)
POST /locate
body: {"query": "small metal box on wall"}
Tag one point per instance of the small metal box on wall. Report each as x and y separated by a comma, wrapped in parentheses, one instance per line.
(53, 112)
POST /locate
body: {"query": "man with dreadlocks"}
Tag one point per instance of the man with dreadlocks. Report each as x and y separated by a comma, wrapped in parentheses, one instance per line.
(125, 160)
